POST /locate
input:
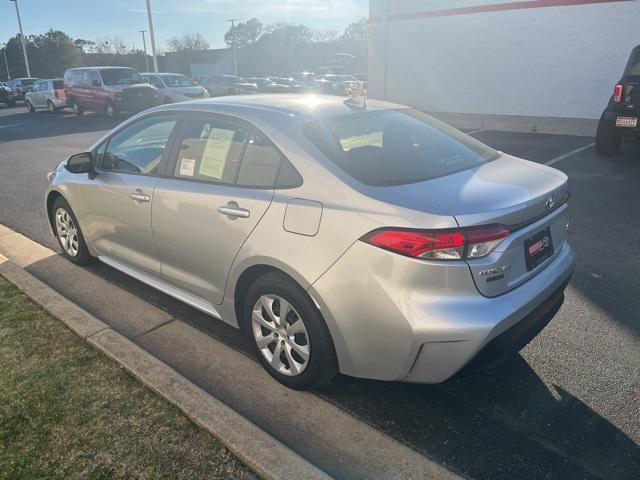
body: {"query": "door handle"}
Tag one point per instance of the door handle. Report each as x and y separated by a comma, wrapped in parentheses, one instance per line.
(140, 197)
(233, 211)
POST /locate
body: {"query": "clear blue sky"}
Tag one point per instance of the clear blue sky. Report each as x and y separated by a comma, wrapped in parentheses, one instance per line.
(100, 19)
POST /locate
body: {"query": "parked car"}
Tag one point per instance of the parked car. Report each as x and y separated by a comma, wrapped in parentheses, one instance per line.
(268, 85)
(218, 85)
(6, 96)
(47, 94)
(110, 90)
(20, 87)
(340, 84)
(175, 87)
(378, 242)
(620, 119)
(295, 85)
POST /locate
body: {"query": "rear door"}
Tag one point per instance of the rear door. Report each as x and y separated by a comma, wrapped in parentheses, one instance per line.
(222, 182)
(116, 204)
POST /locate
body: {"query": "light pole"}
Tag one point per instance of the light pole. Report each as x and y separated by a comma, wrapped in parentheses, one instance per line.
(153, 40)
(6, 64)
(24, 48)
(235, 54)
(144, 45)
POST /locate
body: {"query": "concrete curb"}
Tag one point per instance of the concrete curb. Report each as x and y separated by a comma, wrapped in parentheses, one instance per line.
(265, 455)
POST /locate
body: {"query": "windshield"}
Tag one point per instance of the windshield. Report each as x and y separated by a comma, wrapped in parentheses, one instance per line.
(28, 81)
(120, 76)
(396, 147)
(178, 81)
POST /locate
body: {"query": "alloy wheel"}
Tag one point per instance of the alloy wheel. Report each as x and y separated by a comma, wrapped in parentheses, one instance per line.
(280, 335)
(67, 232)
(51, 107)
(110, 111)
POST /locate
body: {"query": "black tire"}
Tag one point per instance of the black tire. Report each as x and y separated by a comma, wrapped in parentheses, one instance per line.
(166, 101)
(51, 107)
(83, 257)
(110, 110)
(29, 106)
(12, 103)
(75, 106)
(322, 364)
(608, 138)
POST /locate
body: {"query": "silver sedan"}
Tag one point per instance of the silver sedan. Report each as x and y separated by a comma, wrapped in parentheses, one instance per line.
(371, 240)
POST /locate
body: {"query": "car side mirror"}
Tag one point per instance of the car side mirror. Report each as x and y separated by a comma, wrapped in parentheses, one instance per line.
(80, 163)
(95, 83)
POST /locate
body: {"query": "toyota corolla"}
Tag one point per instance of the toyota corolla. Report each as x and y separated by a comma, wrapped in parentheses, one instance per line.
(367, 239)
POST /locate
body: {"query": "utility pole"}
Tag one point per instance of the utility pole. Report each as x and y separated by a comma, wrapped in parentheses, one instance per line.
(235, 54)
(4, 51)
(146, 57)
(24, 47)
(153, 40)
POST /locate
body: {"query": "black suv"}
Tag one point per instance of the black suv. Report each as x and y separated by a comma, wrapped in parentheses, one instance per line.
(6, 96)
(620, 118)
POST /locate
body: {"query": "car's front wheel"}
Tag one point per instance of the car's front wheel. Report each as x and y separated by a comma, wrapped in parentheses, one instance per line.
(110, 109)
(69, 234)
(29, 106)
(608, 138)
(288, 333)
(51, 107)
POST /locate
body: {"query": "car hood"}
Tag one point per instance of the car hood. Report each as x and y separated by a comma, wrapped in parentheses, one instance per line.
(508, 190)
(127, 86)
(190, 89)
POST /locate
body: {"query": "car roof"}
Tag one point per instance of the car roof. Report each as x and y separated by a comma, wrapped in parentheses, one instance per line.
(307, 106)
(101, 68)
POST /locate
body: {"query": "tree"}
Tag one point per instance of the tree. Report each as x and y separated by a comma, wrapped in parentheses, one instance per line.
(286, 34)
(244, 34)
(50, 54)
(113, 45)
(84, 45)
(325, 36)
(189, 41)
(357, 31)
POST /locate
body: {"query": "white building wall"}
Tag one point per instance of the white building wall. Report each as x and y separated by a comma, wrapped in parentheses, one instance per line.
(558, 61)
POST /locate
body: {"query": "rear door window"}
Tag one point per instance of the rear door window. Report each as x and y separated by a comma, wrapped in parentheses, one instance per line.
(395, 147)
(210, 150)
(260, 163)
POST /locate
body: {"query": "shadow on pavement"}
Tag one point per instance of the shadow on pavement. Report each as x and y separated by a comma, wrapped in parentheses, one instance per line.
(506, 424)
(42, 124)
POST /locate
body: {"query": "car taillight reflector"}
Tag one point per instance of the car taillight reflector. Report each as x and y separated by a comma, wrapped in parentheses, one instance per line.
(618, 90)
(450, 244)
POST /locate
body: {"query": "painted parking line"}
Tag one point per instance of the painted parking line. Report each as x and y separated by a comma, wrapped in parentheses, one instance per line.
(569, 154)
(475, 131)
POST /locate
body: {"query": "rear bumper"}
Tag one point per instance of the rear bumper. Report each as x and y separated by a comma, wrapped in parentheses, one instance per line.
(395, 318)
(611, 115)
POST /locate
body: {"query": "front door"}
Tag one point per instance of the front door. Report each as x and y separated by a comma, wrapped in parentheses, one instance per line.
(117, 203)
(222, 184)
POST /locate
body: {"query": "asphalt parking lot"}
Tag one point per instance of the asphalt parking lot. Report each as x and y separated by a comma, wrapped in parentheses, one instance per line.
(567, 408)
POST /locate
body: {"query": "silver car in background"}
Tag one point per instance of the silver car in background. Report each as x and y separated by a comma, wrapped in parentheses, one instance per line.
(47, 94)
(371, 240)
(175, 87)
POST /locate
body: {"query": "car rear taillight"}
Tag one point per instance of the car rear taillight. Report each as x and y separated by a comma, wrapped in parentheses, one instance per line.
(453, 244)
(618, 90)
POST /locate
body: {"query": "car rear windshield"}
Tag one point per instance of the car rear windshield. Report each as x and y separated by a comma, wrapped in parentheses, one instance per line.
(178, 81)
(117, 76)
(633, 65)
(396, 147)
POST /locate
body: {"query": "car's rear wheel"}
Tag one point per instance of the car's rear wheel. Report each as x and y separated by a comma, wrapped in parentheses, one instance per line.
(29, 106)
(608, 138)
(69, 234)
(110, 109)
(288, 333)
(75, 107)
(51, 107)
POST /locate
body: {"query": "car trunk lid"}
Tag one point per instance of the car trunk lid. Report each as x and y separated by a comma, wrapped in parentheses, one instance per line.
(526, 197)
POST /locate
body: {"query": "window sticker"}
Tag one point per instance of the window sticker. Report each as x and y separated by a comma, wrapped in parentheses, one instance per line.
(215, 152)
(187, 167)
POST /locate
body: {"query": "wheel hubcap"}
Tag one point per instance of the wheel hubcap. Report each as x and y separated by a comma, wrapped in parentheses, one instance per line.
(67, 232)
(280, 335)
(109, 111)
